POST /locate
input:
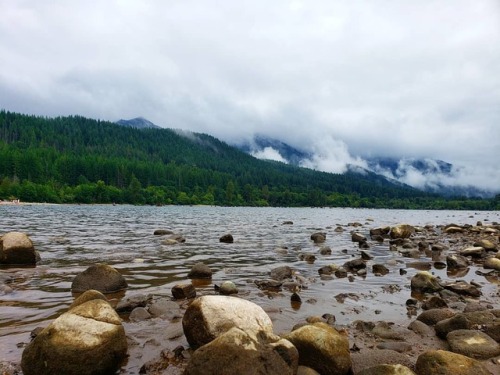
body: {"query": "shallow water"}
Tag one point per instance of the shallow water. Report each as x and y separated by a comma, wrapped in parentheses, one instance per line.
(70, 238)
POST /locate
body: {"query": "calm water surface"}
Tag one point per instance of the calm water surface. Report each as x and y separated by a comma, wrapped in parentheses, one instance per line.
(71, 238)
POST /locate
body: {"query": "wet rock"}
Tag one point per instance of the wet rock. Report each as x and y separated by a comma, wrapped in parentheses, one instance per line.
(423, 245)
(281, 273)
(421, 328)
(354, 265)
(454, 323)
(422, 266)
(401, 231)
(183, 291)
(357, 237)
(287, 222)
(386, 331)
(380, 231)
(447, 363)
(463, 288)
(377, 238)
(433, 316)
(374, 357)
(486, 244)
(492, 263)
(164, 308)
(365, 256)
(328, 270)
(473, 306)
(340, 272)
(227, 238)
(271, 285)
(139, 314)
(318, 237)
(101, 277)
(380, 269)
(454, 261)
(325, 250)
(309, 258)
(162, 232)
(363, 245)
(473, 344)
(16, 248)
(454, 229)
(227, 288)
(434, 302)
(322, 348)
(88, 339)
(386, 370)
(207, 317)
(414, 253)
(424, 282)
(475, 252)
(130, 303)
(174, 239)
(398, 346)
(240, 352)
(89, 295)
(200, 271)
(339, 229)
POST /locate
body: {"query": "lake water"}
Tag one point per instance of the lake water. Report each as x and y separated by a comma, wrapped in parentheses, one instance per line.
(71, 238)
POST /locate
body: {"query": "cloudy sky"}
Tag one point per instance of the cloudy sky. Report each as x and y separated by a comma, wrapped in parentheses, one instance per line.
(345, 80)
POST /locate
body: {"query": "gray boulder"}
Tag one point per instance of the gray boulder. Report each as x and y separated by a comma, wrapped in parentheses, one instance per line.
(101, 277)
(88, 339)
(16, 248)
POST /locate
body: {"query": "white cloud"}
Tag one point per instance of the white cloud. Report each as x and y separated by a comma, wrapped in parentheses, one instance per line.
(374, 78)
(269, 153)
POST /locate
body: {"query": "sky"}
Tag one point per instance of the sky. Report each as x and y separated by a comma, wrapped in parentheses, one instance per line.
(343, 80)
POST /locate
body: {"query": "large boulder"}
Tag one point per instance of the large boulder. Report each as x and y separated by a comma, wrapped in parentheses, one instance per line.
(16, 248)
(401, 231)
(443, 362)
(88, 339)
(208, 317)
(322, 348)
(240, 352)
(100, 277)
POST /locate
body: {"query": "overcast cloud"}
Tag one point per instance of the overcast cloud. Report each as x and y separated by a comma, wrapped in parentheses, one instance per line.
(346, 80)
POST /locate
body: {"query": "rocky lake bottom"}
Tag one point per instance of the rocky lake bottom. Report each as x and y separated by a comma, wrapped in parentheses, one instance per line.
(358, 278)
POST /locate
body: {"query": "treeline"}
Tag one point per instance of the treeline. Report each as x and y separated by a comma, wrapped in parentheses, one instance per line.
(79, 160)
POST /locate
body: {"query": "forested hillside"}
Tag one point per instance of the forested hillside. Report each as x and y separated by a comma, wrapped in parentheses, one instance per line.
(79, 160)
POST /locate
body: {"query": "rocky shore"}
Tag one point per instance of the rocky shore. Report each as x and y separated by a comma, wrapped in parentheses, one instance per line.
(455, 328)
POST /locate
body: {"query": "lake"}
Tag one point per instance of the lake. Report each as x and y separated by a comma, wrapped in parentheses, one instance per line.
(72, 237)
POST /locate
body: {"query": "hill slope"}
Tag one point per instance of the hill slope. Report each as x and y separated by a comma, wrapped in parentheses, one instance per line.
(75, 159)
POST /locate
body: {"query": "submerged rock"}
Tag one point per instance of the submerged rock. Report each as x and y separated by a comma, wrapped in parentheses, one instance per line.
(88, 339)
(227, 238)
(318, 237)
(101, 277)
(281, 273)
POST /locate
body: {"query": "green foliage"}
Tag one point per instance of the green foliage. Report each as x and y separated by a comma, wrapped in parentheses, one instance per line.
(79, 160)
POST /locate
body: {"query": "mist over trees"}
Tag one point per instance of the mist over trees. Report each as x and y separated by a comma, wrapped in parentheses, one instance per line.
(80, 160)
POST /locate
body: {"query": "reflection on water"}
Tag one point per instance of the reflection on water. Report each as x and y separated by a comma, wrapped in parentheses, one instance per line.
(71, 238)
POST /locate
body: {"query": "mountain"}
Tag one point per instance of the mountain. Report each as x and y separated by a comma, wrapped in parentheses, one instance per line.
(77, 159)
(138, 123)
(426, 174)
